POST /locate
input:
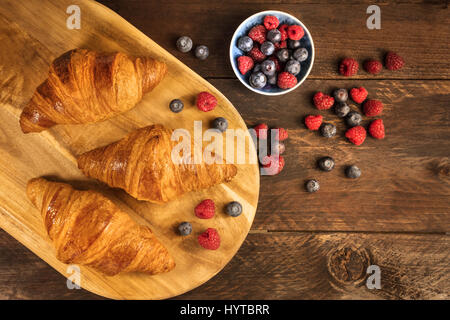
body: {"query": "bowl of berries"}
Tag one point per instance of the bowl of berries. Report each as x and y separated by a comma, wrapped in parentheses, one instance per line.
(272, 52)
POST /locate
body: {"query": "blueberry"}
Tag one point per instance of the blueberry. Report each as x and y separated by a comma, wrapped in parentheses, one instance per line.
(353, 119)
(312, 185)
(300, 54)
(257, 67)
(293, 44)
(293, 66)
(176, 105)
(245, 43)
(326, 163)
(272, 79)
(234, 209)
(353, 172)
(283, 55)
(328, 130)
(202, 52)
(267, 48)
(184, 44)
(185, 228)
(220, 124)
(258, 80)
(274, 35)
(341, 109)
(268, 67)
(341, 95)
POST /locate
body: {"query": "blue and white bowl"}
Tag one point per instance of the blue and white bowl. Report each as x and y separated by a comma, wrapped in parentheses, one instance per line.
(258, 18)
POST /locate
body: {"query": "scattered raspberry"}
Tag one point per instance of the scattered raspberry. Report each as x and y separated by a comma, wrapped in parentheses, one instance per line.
(372, 108)
(258, 33)
(205, 209)
(277, 64)
(281, 45)
(271, 22)
(356, 135)
(209, 239)
(206, 101)
(295, 32)
(273, 165)
(358, 94)
(373, 66)
(256, 54)
(348, 67)
(313, 122)
(323, 101)
(245, 64)
(284, 31)
(282, 134)
(376, 129)
(261, 131)
(286, 80)
(393, 61)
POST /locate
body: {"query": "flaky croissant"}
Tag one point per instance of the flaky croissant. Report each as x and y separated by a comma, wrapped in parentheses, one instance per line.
(89, 229)
(141, 164)
(87, 86)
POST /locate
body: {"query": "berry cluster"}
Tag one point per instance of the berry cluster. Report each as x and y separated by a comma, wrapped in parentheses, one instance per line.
(349, 67)
(184, 44)
(273, 54)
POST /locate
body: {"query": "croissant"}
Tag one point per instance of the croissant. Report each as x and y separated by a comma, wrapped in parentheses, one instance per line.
(141, 164)
(85, 86)
(89, 229)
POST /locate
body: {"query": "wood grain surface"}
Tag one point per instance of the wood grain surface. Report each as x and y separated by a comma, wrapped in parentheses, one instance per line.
(397, 214)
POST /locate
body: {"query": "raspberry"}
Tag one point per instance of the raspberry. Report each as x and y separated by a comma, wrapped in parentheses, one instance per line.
(256, 54)
(206, 101)
(356, 135)
(273, 165)
(271, 22)
(313, 122)
(281, 45)
(258, 33)
(286, 80)
(393, 61)
(358, 94)
(323, 101)
(373, 66)
(261, 131)
(277, 64)
(282, 134)
(284, 31)
(372, 108)
(209, 239)
(245, 64)
(348, 67)
(205, 209)
(376, 129)
(295, 32)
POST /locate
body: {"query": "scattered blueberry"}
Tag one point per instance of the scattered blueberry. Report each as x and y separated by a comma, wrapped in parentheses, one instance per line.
(353, 119)
(341, 95)
(293, 66)
(328, 130)
(283, 55)
(176, 105)
(326, 163)
(312, 185)
(258, 80)
(185, 228)
(202, 52)
(220, 124)
(184, 44)
(234, 209)
(353, 172)
(293, 44)
(245, 43)
(268, 67)
(274, 35)
(341, 109)
(267, 48)
(300, 54)
(272, 79)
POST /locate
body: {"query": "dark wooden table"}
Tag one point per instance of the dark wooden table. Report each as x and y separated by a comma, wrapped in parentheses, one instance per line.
(318, 246)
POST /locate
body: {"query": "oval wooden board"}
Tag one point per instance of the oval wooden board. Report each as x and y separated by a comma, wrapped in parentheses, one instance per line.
(32, 34)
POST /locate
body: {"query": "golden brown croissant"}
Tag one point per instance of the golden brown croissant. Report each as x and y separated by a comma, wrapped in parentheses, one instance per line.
(141, 164)
(86, 86)
(89, 229)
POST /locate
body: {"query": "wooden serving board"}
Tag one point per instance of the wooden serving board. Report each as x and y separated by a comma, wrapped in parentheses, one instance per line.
(32, 34)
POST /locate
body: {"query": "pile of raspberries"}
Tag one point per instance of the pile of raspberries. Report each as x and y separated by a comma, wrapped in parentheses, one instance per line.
(267, 55)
